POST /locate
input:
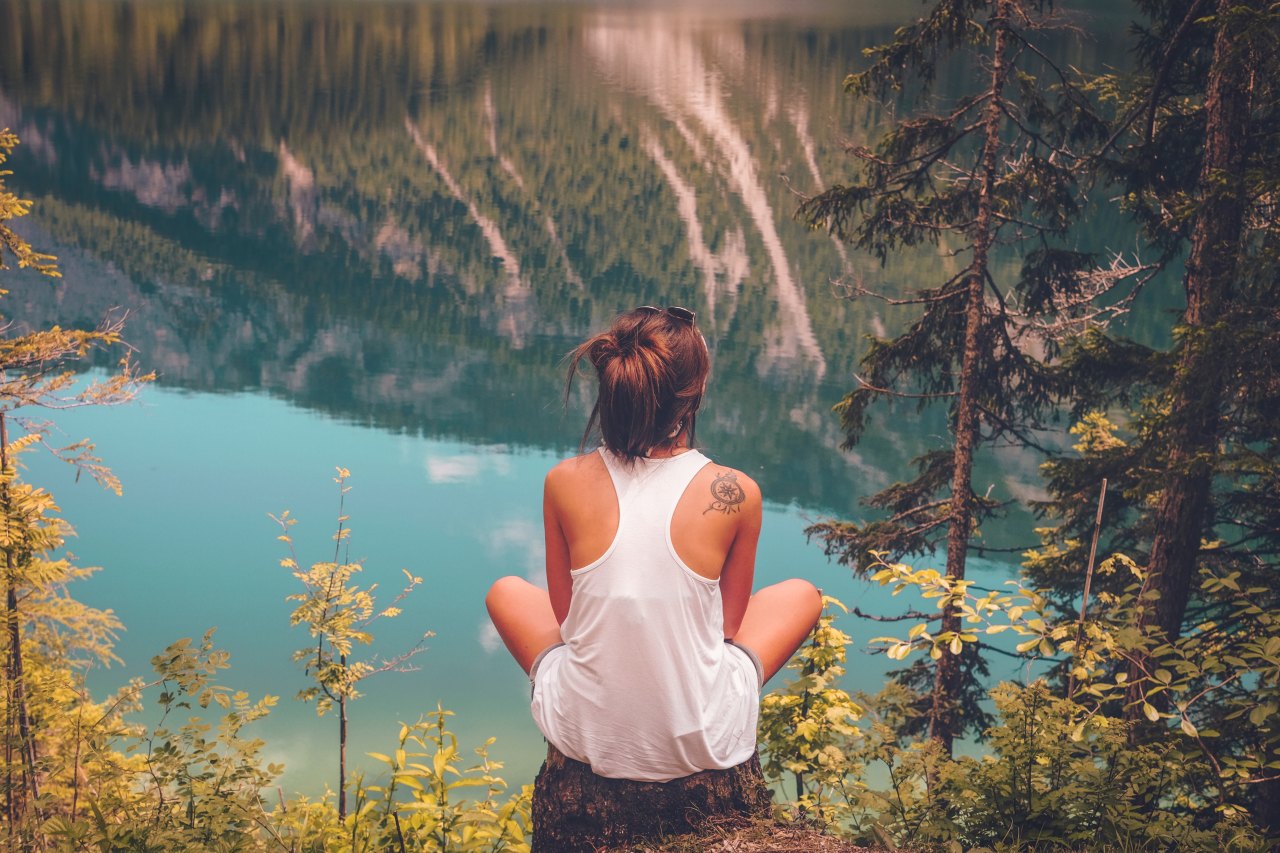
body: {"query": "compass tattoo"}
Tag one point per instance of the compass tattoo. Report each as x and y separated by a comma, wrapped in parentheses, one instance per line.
(726, 495)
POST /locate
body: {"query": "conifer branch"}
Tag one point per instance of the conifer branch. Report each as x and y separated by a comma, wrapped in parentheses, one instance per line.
(921, 508)
(1059, 26)
(1157, 83)
(1022, 434)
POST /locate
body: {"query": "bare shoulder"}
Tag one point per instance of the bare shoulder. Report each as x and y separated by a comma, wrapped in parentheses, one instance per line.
(572, 474)
(575, 466)
(728, 490)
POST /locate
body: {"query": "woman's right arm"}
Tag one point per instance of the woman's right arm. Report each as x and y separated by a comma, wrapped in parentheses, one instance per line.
(559, 581)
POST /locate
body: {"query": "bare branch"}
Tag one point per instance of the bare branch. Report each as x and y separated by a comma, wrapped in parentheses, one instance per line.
(852, 290)
(890, 392)
(910, 614)
(1071, 314)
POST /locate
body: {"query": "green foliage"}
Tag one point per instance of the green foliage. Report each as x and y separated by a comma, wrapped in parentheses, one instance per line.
(195, 779)
(418, 808)
(1224, 670)
(999, 612)
(186, 785)
(338, 615)
(1058, 776)
(12, 207)
(1189, 441)
(38, 369)
(995, 164)
(1059, 770)
(806, 725)
(49, 643)
(49, 639)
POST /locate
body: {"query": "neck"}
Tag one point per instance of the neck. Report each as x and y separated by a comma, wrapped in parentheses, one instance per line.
(665, 450)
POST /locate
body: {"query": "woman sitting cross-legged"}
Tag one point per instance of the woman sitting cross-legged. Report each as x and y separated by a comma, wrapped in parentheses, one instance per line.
(647, 651)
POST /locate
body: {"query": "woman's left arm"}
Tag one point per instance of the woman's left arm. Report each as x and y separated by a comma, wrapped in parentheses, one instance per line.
(739, 570)
(559, 580)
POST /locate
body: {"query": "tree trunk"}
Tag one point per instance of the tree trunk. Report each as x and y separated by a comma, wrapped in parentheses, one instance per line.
(945, 699)
(576, 811)
(14, 671)
(1196, 396)
(342, 753)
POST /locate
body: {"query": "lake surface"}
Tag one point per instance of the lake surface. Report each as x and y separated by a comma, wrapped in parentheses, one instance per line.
(365, 234)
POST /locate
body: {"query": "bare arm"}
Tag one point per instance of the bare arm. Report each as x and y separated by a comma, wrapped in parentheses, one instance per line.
(559, 581)
(739, 570)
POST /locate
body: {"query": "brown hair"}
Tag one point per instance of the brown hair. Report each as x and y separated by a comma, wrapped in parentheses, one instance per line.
(652, 368)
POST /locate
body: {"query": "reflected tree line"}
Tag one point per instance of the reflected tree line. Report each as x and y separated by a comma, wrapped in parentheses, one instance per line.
(376, 210)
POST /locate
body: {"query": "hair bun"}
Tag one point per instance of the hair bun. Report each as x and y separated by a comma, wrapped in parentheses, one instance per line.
(651, 375)
(626, 343)
(604, 348)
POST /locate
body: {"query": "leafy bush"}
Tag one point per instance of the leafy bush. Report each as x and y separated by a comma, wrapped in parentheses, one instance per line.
(416, 808)
(1058, 771)
(194, 780)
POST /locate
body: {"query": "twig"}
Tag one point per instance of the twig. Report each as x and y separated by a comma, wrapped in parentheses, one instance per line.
(910, 614)
(865, 384)
(1088, 581)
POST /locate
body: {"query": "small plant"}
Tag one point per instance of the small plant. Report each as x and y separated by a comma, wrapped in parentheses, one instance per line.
(418, 807)
(338, 614)
(425, 766)
(806, 726)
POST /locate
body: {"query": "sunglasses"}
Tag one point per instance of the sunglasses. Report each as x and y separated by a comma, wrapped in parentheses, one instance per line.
(675, 311)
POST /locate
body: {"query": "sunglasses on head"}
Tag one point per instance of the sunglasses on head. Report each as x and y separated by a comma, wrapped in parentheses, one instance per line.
(671, 311)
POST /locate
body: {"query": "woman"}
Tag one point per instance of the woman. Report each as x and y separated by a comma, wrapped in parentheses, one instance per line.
(647, 651)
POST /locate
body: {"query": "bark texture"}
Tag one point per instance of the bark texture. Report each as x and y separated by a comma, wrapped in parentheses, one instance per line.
(576, 811)
(948, 681)
(1202, 382)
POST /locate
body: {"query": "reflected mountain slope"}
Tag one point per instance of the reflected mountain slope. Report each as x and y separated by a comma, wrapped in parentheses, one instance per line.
(403, 215)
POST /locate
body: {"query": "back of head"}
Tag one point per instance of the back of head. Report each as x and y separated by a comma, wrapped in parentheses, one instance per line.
(652, 367)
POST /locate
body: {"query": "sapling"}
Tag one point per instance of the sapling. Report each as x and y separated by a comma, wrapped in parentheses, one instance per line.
(338, 615)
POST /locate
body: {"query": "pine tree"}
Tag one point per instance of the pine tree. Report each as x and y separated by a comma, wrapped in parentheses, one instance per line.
(1191, 436)
(995, 168)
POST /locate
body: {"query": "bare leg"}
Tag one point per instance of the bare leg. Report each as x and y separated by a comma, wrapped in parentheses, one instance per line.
(523, 616)
(778, 619)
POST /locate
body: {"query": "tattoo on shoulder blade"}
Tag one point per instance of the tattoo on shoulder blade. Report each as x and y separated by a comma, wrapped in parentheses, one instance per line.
(726, 495)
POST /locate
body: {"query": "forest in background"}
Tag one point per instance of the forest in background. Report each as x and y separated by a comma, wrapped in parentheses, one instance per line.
(1155, 597)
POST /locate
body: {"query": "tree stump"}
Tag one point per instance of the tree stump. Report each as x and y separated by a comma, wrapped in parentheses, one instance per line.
(576, 811)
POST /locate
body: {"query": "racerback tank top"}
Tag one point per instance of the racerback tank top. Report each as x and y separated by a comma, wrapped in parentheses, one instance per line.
(645, 687)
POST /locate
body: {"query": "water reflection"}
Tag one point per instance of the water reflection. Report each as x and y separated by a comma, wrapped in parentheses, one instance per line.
(403, 221)
(667, 66)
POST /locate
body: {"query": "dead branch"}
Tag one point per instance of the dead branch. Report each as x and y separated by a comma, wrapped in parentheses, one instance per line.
(903, 394)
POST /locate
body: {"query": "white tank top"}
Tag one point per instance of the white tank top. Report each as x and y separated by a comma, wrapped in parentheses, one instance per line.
(645, 687)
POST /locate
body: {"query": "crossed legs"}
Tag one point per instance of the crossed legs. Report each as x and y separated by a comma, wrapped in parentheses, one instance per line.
(777, 621)
(523, 616)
